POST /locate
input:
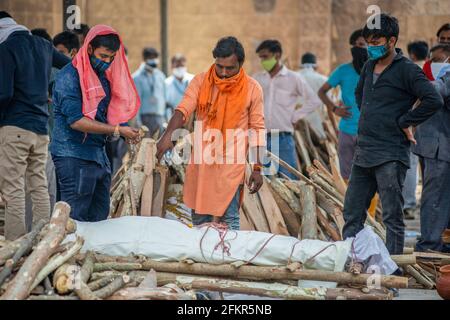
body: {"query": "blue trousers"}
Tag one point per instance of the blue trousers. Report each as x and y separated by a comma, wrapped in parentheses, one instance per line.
(231, 217)
(286, 150)
(85, 186)
(388, 179)
(435, 207)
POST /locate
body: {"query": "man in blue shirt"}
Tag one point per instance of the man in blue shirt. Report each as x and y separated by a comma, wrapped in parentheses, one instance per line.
(78, 145)
(151, 86)
(346, 76)
(177, 83)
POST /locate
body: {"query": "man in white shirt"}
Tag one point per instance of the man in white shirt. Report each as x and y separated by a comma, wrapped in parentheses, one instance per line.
(308, 70)
(177, 83)
(282, 90)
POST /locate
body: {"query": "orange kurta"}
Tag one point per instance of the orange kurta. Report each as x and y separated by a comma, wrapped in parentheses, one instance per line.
(210, 188)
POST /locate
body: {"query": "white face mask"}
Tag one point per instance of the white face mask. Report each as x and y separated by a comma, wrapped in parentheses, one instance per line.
(438, 69)
(179, 72)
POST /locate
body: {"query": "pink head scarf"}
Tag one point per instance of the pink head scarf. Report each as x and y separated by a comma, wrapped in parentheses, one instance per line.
(125, 101)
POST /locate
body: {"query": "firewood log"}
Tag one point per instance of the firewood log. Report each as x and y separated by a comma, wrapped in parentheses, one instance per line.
(253, 272)
(25, 246)
(150, 294)
(115, 285)
(81, 288)
(58, 260)
(19, 288)
(309, 214)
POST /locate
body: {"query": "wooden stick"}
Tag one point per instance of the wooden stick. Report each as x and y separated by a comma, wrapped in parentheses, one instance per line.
(107, 291)
(330, 230)
(309, 212)
(53, 298)
(150, 294)
(404, 260)
(147, 192)
(20, 287)
(272, 211)
(58, 260)
(8, 251)
(100, 283)
(82, 290)
(160, 186)
(24, 247)
(291, 219)
(273, 290)
(428, 284)
(255, 273)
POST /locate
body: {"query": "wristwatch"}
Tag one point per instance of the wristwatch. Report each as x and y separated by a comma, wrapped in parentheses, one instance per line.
(116, 132)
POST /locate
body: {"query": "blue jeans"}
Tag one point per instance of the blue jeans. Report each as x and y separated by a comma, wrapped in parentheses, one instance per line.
(388, 180)
(231, 216)
(85, 186)
(287, 151)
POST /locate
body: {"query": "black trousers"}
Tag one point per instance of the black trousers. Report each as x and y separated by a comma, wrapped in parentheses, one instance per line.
(435, 205)
(388, 180)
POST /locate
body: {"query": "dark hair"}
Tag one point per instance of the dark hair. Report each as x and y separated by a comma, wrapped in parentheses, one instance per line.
(445, 27)
(109, 41)
(441, 46)
(228, 46)
(309, 58)
(41, 32)
(419, 49)
(4, 14)
(178, 57)
(126, 50)
(150, 53)
(67, 39)
(274, 46)
(355, 36)
(82, 29)
(388, 27)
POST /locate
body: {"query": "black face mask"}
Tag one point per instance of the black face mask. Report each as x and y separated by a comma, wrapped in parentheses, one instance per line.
(360, 57)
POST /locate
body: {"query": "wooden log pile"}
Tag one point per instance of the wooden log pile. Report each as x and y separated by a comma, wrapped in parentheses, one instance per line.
(139, 188)
(308, 208)
(25, 264)
(39, 267)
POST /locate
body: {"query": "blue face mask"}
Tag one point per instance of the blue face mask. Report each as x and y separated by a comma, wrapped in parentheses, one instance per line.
(376, 52)
(99, 65)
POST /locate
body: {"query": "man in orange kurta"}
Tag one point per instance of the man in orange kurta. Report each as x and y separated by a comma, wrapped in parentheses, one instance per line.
(230, 119)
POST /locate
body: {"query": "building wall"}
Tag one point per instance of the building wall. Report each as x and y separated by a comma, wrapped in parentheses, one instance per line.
(319, 26)
(419, 20)
(36, 14)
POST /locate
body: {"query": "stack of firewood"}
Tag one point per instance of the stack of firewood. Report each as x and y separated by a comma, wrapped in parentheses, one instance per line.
(308, 208)
(139, 188)
(40, 266)
(25, 264)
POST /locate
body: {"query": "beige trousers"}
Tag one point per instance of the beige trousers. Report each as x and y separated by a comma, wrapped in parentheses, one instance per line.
(23, 156)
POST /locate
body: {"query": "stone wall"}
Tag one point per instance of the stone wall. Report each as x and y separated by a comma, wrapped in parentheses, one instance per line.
(419, 20)
(36, 14)
(319, 26)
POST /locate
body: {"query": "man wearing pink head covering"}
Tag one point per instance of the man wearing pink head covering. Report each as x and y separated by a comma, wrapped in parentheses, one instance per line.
(94, 97)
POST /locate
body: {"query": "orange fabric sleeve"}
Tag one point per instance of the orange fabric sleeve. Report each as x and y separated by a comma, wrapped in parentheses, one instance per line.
(190, 100)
